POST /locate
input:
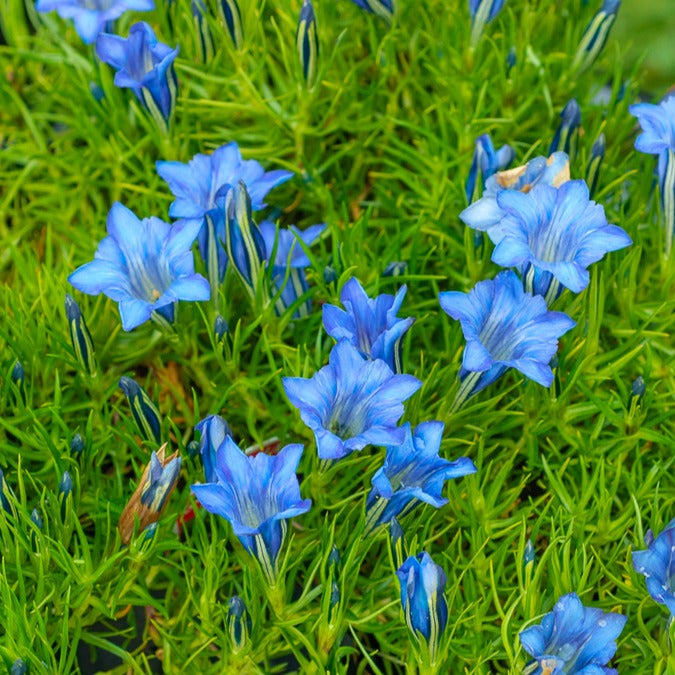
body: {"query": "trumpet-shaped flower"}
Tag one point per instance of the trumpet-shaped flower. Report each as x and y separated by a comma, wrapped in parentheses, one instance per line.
(422, 584)
(214, 430)
(290, 256)
(485, 212)
(552, 236)
(256, 494)
(412, 473)
(91, 16)
(573, 639)
(351, 402)
(488, 161)
(504, 327)
(370, 324)
(144, 65)
(657, 563)
(144, 265)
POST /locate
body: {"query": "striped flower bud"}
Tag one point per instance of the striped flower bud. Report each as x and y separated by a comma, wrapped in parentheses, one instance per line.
(77, 445)
(596, 34)
(566, 136)
(307, 41)
(593, 170)
(18, 377)
(37, 521)
(231, 15)
(397, 543)
(83, 345)
(65, 489)
(143, 409)
(239, 624)
(220, 329)
(204, 37)
(5, 490)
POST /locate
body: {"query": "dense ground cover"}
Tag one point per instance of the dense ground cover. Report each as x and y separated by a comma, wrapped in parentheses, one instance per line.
(380, 150)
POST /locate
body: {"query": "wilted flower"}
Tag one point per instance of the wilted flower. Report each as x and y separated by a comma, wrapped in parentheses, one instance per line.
(307, 42)
(143, 409)
(83, 345)
(291, 257)
(426, 611)
(658, 138)
(91, 16)
(486, 213)
(657, 564)
(152, 494)
(596, 34)
(214, 430)
(482, 12)
(256, 494)
(239, 624)
(145, 66)
(488, 161)
(383, 8)
(370, 324)
(231, 15)
(573, 639)
(413, 472)
(566, 135)
(204, 37)
(504, 327)
(552, 236)
(351, 402)
(593, 170)
(145, 265)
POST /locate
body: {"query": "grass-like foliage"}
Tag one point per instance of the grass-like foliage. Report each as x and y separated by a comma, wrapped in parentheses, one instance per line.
(380, 148)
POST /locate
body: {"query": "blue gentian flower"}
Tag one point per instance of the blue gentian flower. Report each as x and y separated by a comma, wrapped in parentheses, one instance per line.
(488, 161)
(351, 402)
(657, 563)
(144, 265)
(658, 138)
(291, 257)
(482, 12)
(596, 34)
(552, 236)
(485, 212)
(370, 324)
(412, 473)
(504, 327)
(383, 8)
(565, 136)
(91, 16)
(307, 42)
(143, 65)
(200, 186)
(256, 494)
(426, 611)
(214, 430)
(573, 639)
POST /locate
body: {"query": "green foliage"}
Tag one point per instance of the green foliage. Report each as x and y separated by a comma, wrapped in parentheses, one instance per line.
(381, 146)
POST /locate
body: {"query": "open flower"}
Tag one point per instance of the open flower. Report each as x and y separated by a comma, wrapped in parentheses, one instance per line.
(91, 16)
(573, 639)
(256, 494)
(351, 402)
(145, 265)
(412, 473)
(370, 324)
(657, 563)
(504, 327)
(552, 236)
(143, 65)
(488, 161)
(485, 213)
(290, 254)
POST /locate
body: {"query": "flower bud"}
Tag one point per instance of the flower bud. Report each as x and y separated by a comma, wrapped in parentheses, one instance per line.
(143, 409)
(395, 269)
(77, 445)
(204, 37)
(83, 345)
(307, 42)
(396, 543)
(231, 15)
(566, 136)
(239, 624)
(596, 34)
(593, 170)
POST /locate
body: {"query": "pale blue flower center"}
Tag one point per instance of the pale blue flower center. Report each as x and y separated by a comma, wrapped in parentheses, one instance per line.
(501, 338)
(149, 281)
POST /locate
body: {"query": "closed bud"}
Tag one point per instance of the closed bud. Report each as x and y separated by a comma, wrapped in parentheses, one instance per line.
(77, 445)
(83, 345)
(307, 42)
(204, 37)
(152, 494)
(231, 15)
(192, 448)
(333, 603)
(220, 328)
(593, 170)
(397, 543)
(383, 8)
(149, 532)
(482, 12)
(5, 490)
(511, 59)
(18, 377)
(143, 409)
(330, 276)
(37, 521)
(528, 560)
(566, 136)
(395, 269)
(596, 34)
(239, 624)
(637, 390)
(333, 563)
(18, 668)
(65, 489)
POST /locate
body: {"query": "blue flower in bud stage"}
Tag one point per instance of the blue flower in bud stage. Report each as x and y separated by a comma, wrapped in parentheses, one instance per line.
(231, 15)
(204, 37)
(511, 59)
(18, 376)
(352, 402)
(77, 445)
(637, 390)
(552, 236)
(395, 268)
(566, 135)
(239, 624)
(426, 611)
(37, 521)
(573, 639)
(83, 345)
(200, 187)
(145, 66)
(412, 473)
(658, 138)
(4, 491)
(485, 213)
(397, 547)
(145, 265)
(307, 42)
(596, 34)
(91, 16)
(370, 324)
(488, 161)
(65, 488)
(143, 409)
(657, 563)
(214, 430)
(290, 256)
(18, 668)
(256, 494)
(220, 328)
(504, 327)
(482, 12)
(593, 169)
(383, 8)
